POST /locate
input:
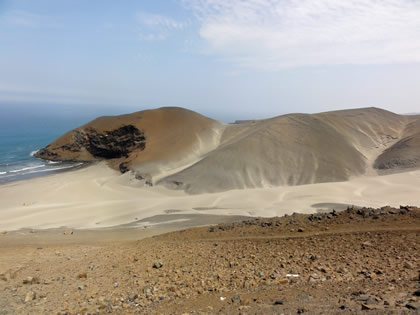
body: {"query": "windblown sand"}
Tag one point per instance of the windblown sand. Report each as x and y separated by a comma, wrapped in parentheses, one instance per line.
(183, 150)
(99, 197)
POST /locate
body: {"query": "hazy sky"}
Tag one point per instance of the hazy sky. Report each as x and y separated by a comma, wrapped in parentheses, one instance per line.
(227, 59)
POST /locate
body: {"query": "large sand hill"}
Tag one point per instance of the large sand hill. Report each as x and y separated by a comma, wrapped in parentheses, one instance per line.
(183, 150)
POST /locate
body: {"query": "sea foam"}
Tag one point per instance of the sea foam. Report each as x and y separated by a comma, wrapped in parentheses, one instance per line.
(27, 168)
(33, 152)
(56, 168)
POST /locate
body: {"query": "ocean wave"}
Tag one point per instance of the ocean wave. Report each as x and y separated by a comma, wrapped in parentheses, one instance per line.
(33, 153)
(2, 173)
(54, 162)
(55, 168)
(27, 168)
(3, 178)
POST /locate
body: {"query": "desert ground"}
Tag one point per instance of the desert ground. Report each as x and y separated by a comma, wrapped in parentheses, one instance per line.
(176, 213)
(357, 261)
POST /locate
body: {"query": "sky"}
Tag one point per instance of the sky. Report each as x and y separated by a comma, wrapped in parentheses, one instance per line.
(237, 59)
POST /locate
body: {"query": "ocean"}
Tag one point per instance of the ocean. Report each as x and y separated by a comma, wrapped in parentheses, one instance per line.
(21, 136)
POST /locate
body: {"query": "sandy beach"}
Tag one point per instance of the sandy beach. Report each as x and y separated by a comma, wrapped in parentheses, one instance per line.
(99, 197)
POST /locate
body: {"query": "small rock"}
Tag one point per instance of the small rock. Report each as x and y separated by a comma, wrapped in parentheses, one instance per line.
(133, 297)
(236, 298)
(68, 232)
(314, 276)
(302, 310)
(31, 280)
(157, 264)
(30, 296)
(365, 298)
(80, 287)
(305, 297)
(283, 281)
(300, 230)
(413, 306)
(408, 265)
(244, 302)
(366, 307)
(116, 285)
(260, 274)
(148, 291)
(278, 302)
(3, 277)
(82, 275)
(366, 244)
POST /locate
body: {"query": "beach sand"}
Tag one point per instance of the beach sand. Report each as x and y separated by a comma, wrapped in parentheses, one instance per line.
(97, 197)
(88, 241)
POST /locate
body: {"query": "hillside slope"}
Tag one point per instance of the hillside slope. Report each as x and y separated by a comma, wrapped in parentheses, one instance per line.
(158, 140)
(181, 149)
(405, 153)
(294, 149)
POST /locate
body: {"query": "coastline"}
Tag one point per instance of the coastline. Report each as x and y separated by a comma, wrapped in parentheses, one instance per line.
(67, 167)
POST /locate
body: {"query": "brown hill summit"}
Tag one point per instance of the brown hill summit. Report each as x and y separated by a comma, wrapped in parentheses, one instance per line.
(181, 149)
(156, 140)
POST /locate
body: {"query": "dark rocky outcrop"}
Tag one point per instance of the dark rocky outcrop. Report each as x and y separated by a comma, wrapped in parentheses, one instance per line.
(111, 144)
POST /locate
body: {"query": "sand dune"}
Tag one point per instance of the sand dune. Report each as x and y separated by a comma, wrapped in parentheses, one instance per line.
(295, 149)
(180, 149)
(97, 196)
(405, 153)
